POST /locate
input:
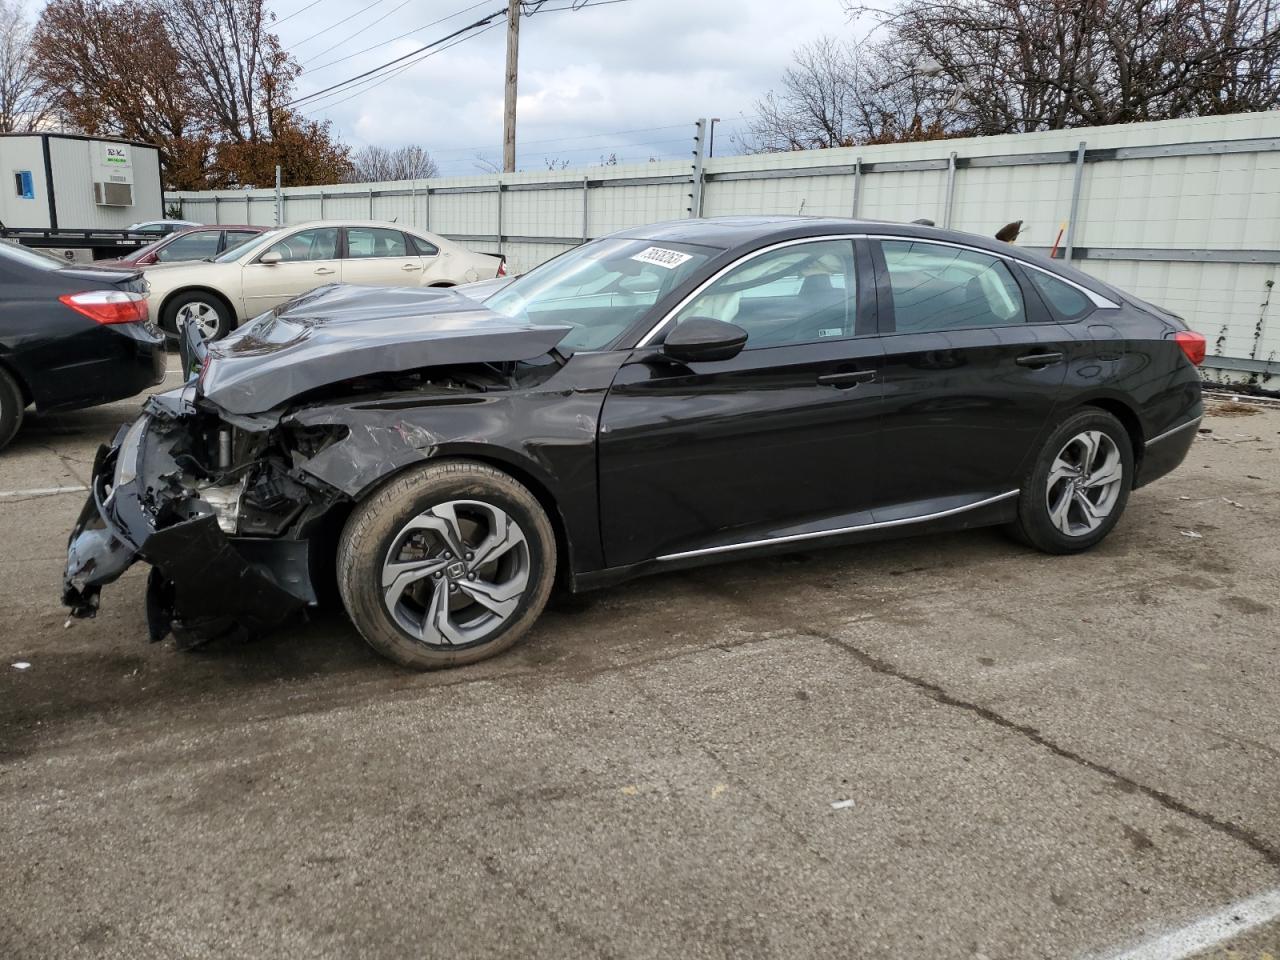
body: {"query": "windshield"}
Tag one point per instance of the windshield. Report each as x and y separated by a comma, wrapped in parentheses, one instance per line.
(31, 258)
(235, 253)
(600, 288)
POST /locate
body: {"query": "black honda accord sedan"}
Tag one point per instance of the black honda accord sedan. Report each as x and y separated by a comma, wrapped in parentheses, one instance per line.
(70, 336)
(664, 397)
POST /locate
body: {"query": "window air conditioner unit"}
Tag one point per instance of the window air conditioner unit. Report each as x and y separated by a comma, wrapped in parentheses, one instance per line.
(113, 194)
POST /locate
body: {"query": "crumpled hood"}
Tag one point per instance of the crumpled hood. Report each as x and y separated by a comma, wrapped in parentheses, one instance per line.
(341, 331)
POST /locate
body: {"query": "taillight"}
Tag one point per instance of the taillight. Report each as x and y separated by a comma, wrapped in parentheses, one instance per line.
(1192, 344)
(502, 268)
(108, 306)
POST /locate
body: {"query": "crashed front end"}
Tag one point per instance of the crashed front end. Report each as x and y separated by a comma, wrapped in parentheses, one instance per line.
(232, 486)
(215, 512)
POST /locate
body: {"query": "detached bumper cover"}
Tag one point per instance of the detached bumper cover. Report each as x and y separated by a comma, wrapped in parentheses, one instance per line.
(204, 584)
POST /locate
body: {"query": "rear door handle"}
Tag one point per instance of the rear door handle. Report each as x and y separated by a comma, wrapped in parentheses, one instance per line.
(323, 270)
(1038, 359)
(846, 379)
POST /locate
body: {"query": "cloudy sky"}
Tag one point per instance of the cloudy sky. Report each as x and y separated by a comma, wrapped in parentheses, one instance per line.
(587, 77)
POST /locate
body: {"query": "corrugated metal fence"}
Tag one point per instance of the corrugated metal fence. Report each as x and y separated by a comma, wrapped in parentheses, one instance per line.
(1184, 213)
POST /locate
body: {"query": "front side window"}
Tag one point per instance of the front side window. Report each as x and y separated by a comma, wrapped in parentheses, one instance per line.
(803, 293)
(189, 246)
(600, 288)
(938, 287)
(320, 243)
(366, 242)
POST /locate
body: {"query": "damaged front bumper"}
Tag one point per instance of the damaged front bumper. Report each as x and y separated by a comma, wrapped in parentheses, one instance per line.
(205, 583)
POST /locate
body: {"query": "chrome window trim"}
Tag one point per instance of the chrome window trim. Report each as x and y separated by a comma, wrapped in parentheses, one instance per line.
(671, 314)
(1177, 429)
(1095, 298)
(795, 537)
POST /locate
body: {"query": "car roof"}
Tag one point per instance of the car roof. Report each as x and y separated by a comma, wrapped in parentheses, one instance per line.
(751, 232)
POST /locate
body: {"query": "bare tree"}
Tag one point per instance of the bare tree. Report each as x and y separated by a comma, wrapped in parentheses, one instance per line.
(376, 164)
(23, 103)
(839, 93)
(1022, 65)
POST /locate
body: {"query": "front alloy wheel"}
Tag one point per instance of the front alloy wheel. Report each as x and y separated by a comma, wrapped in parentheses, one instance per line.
(448, 564)
(456, 573)
(203, 315)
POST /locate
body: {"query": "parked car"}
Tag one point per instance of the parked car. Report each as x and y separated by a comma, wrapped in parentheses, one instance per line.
(281, 264)
(162, 226)
(662, 398)
(70, 336)
(196, 243)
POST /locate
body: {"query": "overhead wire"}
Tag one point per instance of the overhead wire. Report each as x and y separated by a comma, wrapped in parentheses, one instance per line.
(383, 43)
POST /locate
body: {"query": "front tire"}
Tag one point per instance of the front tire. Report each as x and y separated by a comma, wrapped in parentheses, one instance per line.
(1078, 486)
(449, 564)
(207, 311)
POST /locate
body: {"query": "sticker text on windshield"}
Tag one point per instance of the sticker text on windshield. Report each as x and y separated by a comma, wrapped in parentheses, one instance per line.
(670, 259)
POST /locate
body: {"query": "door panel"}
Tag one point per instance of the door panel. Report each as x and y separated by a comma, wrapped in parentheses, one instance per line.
(377, 256)
(970, 391)
(310, 261)
(739, 450)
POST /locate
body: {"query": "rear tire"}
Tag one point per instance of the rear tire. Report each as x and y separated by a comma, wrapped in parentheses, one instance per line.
(206, 309)
(1078, 486)
(447, 565)
(12, 408)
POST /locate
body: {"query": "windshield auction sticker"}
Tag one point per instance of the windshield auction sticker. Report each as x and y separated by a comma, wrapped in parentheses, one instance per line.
(670, 259)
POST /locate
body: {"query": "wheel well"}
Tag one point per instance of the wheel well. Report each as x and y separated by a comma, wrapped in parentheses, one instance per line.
(1129, 420)
(207, 290)
(443, 283)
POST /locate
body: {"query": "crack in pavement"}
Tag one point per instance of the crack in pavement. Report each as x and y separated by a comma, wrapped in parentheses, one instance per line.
(1269, 853)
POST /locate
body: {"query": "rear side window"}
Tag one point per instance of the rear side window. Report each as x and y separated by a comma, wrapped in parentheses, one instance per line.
(938, 287)
(1065, 299)
(370, 242)
(189, 246)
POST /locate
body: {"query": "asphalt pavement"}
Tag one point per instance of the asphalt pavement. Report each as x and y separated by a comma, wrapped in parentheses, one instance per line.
(934, 747)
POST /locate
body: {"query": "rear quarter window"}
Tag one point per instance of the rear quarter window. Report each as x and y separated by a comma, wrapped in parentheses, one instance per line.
(1062, 297)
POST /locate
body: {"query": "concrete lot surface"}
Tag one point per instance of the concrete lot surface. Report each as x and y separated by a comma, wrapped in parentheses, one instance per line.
(1045, 757)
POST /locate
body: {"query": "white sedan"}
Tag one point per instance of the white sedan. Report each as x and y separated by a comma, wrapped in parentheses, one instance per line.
(218, 294)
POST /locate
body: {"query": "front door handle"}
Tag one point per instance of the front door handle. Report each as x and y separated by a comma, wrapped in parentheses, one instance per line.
(1038, 359)
(411, 266)
(846, 379)
(322, 271)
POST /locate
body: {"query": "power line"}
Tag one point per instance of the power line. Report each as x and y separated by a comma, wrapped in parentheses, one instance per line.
(368, 84)
(296, 12)
(359, 12)
(352, 36)
(383, 43)
(585, 136)
(482, 22)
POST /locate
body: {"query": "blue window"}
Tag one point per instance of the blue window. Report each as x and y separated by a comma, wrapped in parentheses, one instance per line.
(24, 184)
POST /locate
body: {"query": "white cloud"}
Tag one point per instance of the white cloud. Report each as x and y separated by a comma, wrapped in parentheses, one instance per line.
(584, 75)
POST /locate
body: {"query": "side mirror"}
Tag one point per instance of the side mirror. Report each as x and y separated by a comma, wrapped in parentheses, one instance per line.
(700, 339)
(271, 258)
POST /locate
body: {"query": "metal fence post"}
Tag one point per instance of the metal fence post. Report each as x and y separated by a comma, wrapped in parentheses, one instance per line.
(215, 209)
(499, 218)
(321, 204)
(428, 208)
(699, 144)
(951, 190)
(586, 209)
(279, 199)
(857, 186)
(371, 203)
(1075, 201)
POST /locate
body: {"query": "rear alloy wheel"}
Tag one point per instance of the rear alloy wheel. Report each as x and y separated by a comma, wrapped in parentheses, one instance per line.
(1079, 485)
(12, 407)
(447, 565)
(209, 314)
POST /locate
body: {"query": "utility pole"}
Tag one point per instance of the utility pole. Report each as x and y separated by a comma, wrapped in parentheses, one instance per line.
(509, 112)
